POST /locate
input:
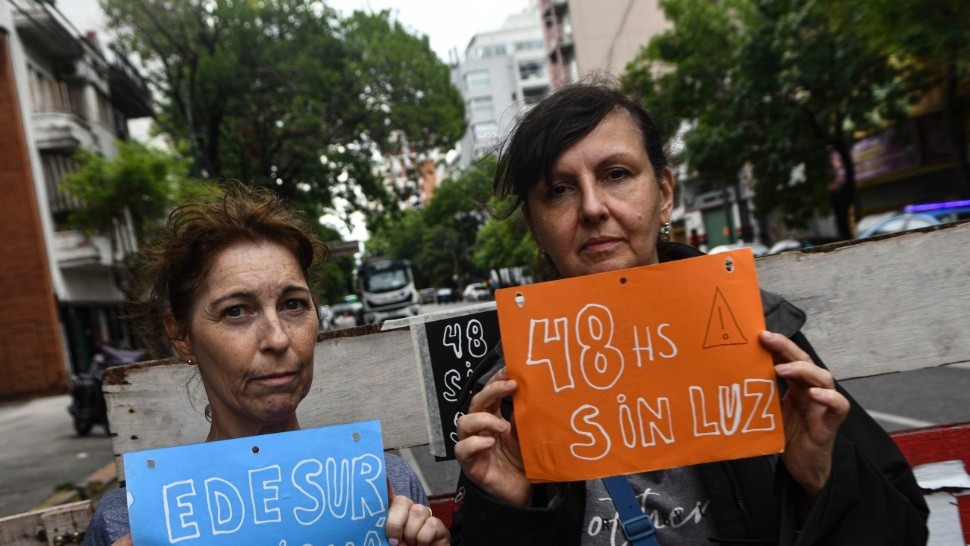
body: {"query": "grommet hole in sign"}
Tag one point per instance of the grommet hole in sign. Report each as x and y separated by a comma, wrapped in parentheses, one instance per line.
(729, 265)
(519, 300)
(622, 280)
(356, 436)
(150, 463)
(255, 450)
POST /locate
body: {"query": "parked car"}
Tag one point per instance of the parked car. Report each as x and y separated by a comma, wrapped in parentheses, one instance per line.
(476, 291)
(896, 223)
(757, 249)
(428, 295)
(349, 312)
(445, 295)
(800, 242)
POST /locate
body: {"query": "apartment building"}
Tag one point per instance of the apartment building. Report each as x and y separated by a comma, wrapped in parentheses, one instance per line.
(584, 37)
(59, 91)
(503, 73)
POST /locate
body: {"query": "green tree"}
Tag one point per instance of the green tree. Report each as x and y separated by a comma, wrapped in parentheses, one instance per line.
(770, 84)
(931, 41)
(286, 94)
(140, 181)
(439, 238)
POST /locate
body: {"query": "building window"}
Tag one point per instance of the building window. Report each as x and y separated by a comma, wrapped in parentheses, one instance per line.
(56, 167)
(485, 52)
(480, 106)
(477, 80)
(532, 95)
(535, 68)
(105, 111)
(528, 44)
(485, 131)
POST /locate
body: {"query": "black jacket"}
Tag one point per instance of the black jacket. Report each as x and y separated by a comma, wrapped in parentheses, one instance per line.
(871, 498)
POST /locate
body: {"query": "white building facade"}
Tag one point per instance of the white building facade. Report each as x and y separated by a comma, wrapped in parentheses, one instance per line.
(503, 73)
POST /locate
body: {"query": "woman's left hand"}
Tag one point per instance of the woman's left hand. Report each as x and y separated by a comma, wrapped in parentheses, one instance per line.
(812, 411)
(413, 524)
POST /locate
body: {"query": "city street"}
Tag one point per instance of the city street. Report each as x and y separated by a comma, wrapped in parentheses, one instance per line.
(41, 450)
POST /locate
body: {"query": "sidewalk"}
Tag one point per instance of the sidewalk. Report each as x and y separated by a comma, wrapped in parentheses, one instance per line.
(42, 459)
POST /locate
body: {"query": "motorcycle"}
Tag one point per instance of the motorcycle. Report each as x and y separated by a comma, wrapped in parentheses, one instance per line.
(88, 406)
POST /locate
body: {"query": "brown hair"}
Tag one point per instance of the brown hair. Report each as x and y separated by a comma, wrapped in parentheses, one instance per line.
(170, 271)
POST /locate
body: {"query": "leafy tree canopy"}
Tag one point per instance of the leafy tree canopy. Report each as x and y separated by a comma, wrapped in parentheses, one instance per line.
(287, 94)
(770, 84)
(439, 238)
(141, 180)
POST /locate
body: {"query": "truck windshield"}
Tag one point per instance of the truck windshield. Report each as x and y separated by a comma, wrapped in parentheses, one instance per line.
(386, 280)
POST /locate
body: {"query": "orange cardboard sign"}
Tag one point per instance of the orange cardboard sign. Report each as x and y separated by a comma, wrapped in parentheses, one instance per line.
(641, 369)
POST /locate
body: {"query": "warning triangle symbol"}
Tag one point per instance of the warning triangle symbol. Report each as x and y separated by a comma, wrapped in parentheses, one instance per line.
(722, 327)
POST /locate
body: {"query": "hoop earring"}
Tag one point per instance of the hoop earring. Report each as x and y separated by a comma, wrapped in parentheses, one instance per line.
(664, 235)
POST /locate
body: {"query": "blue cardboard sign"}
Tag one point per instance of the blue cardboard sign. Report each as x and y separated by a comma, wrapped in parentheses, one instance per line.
(314, 487)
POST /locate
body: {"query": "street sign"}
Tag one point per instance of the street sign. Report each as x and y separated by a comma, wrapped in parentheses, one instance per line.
(339, 249)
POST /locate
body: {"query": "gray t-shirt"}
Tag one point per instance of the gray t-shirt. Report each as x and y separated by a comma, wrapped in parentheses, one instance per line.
(674, 499)
(110, 522)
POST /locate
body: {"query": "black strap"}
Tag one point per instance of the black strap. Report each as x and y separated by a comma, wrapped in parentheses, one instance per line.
(637, 527)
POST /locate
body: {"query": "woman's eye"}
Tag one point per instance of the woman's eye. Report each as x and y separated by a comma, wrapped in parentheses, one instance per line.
(558, 190)
(296, 305)
(615, 175)
(236, 311)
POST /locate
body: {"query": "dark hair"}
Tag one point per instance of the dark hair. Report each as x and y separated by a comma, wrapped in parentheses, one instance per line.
(556, 123)
(170, 271)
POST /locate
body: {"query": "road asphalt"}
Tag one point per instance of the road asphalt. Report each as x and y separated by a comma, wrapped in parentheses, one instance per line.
(42, 458)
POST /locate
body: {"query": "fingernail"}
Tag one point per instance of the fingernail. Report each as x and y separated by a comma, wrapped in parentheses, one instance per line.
(392, 541)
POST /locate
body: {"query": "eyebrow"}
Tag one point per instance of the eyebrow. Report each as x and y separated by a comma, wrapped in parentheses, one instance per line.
(249, 294)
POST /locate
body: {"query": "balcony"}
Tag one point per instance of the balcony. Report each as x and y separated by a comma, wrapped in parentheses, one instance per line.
(60, 131)
(75, 250)
(47, 30)
(129, 92)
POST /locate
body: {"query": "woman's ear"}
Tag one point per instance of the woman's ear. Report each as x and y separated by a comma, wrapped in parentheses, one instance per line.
(667, 185)
(179, 336)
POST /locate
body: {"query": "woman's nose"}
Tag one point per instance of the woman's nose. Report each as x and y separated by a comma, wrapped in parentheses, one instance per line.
(275, 337)
(593, 204)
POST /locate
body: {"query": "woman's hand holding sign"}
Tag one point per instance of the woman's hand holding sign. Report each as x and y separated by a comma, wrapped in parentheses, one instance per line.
(813, 411)
(488, 446)
(413, 524)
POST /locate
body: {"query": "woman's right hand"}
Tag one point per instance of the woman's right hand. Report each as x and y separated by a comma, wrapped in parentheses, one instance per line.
(488, 445)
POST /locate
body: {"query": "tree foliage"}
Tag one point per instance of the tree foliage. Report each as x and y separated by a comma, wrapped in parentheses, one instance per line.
(439, 238)
(770, 84)
(287, 94)
(140, 181)
(930, 41)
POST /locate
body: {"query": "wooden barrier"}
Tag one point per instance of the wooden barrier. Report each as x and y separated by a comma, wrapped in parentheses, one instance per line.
(881, 306)
(64, 524)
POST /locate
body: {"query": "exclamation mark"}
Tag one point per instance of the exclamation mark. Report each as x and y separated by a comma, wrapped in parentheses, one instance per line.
(720, 316)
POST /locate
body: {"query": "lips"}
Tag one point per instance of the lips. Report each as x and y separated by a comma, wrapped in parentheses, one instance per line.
(599, 244)
(275, 379)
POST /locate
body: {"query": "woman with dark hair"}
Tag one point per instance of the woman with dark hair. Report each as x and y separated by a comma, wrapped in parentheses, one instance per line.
(227, 285)
(588, 170)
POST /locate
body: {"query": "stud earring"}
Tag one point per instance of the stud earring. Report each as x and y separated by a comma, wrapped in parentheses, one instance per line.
(664, 235)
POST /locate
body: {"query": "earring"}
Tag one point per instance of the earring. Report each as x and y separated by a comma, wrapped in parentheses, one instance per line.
(664, 235)
(190, 362)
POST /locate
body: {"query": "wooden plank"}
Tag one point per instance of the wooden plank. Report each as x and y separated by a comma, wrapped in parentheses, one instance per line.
(66, 522)
(375, 376)
(888, 305)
